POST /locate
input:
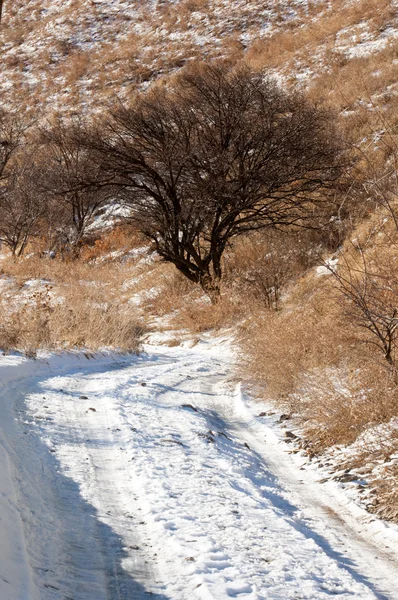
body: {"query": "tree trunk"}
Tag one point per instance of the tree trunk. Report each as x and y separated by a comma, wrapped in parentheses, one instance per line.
(211, 286)
(1, 9)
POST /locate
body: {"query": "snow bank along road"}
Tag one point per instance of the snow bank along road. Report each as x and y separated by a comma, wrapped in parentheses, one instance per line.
(147, 477)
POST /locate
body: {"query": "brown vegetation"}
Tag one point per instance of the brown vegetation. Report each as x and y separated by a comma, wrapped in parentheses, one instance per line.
(75, 305)
(328, 354)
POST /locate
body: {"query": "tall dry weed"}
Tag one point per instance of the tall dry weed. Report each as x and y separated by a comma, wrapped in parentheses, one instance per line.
(78, 320)
(75, 304)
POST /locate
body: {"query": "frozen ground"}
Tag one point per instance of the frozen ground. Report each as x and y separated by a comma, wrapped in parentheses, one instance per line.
(150, 477)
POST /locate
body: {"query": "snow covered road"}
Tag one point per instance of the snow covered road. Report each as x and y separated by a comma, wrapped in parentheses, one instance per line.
(148, 477)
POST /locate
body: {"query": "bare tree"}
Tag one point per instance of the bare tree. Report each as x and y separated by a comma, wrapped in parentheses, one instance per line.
(1, 9)
(369, 288)
(71, 180)
(12, 138)
(20, 205)
(366, 275)
(214, 155)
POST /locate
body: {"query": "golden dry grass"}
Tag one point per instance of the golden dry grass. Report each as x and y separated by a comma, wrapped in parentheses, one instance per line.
(78, 320)
(184, 307)
(71, 305)
(311, 356)
(128, 50)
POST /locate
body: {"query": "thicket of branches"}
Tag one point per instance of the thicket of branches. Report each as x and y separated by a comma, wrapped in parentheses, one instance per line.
(20, 201)
(215, 154)
(42, 194)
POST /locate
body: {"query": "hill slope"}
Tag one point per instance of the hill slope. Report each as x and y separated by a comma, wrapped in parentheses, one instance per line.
(60, 55)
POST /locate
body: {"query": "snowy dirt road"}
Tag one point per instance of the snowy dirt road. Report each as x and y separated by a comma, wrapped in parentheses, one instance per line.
(149, 477)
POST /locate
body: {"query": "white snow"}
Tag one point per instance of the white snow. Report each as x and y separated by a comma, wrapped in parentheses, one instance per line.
(125, 476)
(107, 216)
(328, 267)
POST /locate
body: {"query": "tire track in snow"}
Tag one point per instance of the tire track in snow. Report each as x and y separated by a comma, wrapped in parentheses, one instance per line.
(95, 459)
(72, 553)
(177, 492)
(327, 520)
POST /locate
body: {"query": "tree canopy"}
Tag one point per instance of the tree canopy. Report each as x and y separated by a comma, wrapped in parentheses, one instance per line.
(214, 154)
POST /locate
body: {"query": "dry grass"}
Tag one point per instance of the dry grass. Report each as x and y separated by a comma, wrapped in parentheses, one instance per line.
(67, 305)
(308, 39)
(200, 315)
(311, 360)
(184, 306)
(386, 505)
(323, 28)
(283, 346)
(338, 405)
(63, 272)
(78, 320)
(320, 58)
(314, 358)
(104, 49)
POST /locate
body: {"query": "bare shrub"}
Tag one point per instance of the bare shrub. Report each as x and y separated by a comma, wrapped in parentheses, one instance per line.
(21, 205)
(323, 355)
(369, 288)
(260, 266)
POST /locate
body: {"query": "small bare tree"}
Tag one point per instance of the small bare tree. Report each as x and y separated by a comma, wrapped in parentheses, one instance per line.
(72, 181)
(20, 204)
(214, 155)
(12, 138)
(369, 288)
(367, 277)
